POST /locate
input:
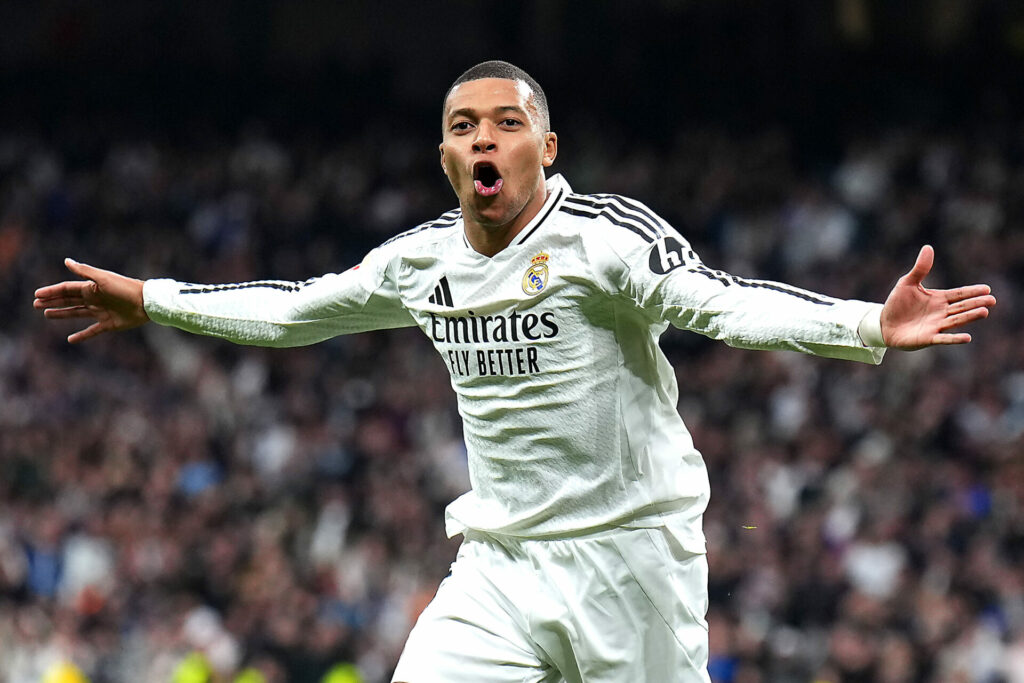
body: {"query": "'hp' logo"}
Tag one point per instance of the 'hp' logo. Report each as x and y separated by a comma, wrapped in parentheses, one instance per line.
(666, 255)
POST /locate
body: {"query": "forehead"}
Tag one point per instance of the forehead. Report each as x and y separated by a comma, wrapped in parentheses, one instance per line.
(488, 93)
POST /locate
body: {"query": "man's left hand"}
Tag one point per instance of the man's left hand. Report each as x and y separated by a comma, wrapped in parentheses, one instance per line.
(914, 317)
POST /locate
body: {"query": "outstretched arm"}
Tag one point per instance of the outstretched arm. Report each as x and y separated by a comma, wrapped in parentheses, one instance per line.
(114, 302)
(914, 317)
(261, 313)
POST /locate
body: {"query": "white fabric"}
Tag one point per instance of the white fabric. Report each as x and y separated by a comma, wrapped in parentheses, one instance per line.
(568, 403)
(613, 606)
(870, 328)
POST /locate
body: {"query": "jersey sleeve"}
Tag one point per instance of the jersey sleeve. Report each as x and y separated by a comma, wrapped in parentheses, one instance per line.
(280, 313)
(652, 266)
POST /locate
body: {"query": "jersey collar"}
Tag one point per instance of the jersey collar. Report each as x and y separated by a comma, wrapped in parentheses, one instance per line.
(558, 188)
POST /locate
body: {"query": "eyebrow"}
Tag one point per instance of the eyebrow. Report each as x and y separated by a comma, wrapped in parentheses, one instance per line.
(471, 113)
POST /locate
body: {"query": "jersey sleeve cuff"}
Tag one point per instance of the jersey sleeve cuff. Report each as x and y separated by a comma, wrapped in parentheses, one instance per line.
(156, 297)
(870, 327)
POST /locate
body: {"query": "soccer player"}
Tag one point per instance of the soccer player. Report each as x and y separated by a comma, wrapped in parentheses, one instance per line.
(583, 554)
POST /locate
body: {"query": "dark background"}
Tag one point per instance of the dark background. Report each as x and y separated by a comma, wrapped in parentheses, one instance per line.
(821, 69)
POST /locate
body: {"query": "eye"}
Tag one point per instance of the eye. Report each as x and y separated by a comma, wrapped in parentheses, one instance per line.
(511, 123)
(461, 126)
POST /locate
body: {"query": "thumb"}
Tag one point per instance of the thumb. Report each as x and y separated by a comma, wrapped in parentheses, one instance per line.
(925, 259)
(83, 270)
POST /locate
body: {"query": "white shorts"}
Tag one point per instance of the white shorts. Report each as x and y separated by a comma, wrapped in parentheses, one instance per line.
(623, 606)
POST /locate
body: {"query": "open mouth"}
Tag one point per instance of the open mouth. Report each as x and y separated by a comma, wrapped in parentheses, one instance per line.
(486, 179)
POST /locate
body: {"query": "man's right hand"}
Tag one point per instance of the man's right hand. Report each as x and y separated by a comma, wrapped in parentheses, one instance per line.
(113, 301)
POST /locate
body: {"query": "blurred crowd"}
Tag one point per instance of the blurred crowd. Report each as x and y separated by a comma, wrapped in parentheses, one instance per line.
(278, 513)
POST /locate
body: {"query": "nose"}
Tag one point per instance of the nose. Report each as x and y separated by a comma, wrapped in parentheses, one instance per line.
(485, 139)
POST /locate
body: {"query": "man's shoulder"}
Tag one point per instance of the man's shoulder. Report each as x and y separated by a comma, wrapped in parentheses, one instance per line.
(429, 232)
(614, 217)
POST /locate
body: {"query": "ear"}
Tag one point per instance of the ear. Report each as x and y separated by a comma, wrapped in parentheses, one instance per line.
(550, 149)
(441, 149)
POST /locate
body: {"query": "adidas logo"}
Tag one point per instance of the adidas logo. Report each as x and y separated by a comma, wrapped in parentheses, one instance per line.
(442, 295)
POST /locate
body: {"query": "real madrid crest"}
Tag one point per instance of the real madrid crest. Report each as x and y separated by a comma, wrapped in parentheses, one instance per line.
(536, 278)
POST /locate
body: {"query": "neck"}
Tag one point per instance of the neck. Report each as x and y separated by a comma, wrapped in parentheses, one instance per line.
(491, 239)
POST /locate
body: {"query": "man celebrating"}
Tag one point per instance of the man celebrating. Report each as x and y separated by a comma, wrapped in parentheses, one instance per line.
(583, 557)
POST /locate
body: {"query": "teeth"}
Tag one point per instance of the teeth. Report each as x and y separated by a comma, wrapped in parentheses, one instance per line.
(488, 191)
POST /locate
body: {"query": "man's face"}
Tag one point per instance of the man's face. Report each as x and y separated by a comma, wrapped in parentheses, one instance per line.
(494, 149)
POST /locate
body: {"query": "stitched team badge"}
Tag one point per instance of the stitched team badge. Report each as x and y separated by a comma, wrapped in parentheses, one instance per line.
(536, 278)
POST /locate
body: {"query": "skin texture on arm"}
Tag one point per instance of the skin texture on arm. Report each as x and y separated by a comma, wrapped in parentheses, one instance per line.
(114, 302)
(915, 317)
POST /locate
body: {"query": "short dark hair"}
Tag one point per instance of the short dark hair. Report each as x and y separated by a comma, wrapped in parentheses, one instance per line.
(496, 68)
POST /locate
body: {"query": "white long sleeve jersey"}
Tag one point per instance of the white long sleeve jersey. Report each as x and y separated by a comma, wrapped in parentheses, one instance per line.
(568, 403)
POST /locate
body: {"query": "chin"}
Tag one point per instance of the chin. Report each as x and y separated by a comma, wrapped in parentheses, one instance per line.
(489, 210)
(491, 221)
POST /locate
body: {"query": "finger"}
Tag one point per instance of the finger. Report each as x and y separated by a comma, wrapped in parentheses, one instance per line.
(945, 339)
(967, 292)
(986, 301)
(84, 270)
(69, 288)
(59, 302)
(925, 259)
(88, 333)
(69, 312)
(962, 319)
